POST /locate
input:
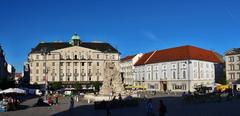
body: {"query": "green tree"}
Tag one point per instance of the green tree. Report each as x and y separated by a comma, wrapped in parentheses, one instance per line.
(56, 85)
(97, 85)
(77, 86)
(35, 86)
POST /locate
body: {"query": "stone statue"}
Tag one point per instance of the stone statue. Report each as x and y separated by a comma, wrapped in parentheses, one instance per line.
(112, 83)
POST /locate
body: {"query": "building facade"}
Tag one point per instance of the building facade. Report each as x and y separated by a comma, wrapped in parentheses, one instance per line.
(127, 68)
(232, 59)
(176, 69)
(72, 62)
(6, 70)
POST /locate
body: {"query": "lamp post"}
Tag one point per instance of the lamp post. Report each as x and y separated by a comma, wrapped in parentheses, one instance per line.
(44, 53)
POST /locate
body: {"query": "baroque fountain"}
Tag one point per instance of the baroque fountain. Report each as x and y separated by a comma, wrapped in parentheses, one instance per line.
(112, 84)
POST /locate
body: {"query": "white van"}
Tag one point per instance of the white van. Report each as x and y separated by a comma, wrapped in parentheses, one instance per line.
(38, 92)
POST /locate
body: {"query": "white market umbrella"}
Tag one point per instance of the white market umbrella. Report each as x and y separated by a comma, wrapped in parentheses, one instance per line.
(13, 90)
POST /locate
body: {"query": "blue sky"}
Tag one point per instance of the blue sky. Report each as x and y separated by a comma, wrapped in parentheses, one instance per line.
(132, 26)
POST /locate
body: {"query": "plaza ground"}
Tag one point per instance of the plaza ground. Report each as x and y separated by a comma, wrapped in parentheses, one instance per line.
(175, 107)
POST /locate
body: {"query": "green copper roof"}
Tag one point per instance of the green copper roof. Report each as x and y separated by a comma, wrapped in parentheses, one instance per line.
(76, 36)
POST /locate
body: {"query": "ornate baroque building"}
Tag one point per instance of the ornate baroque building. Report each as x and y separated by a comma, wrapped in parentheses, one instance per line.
(70, 62)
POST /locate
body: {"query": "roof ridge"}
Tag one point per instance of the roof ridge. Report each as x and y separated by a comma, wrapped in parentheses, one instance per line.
(150, 56)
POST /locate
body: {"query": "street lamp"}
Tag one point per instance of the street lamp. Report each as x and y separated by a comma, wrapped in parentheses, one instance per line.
(44, 53)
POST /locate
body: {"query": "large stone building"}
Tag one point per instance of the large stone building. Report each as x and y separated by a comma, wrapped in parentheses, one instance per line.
(3, 64)
(176, 69)
(70, 62)
(6, 70)
(232, 58)
(127, 68)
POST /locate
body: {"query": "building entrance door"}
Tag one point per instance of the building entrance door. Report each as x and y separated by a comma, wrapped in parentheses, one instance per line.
(163, 85)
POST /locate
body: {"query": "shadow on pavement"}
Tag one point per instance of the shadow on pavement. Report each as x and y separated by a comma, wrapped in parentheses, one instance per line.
(140, 110)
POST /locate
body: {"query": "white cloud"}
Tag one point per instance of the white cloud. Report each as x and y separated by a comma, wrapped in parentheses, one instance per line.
(151, 36)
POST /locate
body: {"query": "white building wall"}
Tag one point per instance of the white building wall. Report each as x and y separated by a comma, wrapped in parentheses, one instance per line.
(127, 68)
(177, 75)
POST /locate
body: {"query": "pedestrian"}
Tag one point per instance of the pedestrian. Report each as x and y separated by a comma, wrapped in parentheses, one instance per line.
(150, 108)
(56, 98)
(108, 109)
(71, 103)
(162, 108)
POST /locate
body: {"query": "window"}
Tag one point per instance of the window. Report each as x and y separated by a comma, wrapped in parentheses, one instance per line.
(232, 76)
(97, 78)
(207, 65)
(195, 64)
(89, 70)
(106, 56)
(37, 78)
(231, 59)
(89, 64)
(44, 64)
(184, 74)
(75, 64)
(97, 56)
(173, 66)
(61, 63)
(75, 71)
(82, 70)
(174, 75)
(238, 58)
(68, 57)
(148, 76)
(53, 70)
(37, 57)
(53, 63)
(53, 78)
(37, 71)
(207, 75)
(53, 56)
(44, 71)
(231, 66)
(179, 86)
(165, 75)
(82, 63)
(113, 57)
(97, 63)
(37, 64)
(156, 74)
(75, 57)
(68, 63)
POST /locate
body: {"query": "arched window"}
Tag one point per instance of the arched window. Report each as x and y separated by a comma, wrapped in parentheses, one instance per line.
(75, 57)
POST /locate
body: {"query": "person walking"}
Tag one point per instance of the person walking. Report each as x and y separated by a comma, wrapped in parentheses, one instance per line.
(150, 108)
(162, 108)
(56, 98)
(71, 103)
(108, 109)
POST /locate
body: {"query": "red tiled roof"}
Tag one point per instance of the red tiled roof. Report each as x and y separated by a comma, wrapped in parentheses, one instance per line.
(179, 53)
(143, 59)
(127, 58)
